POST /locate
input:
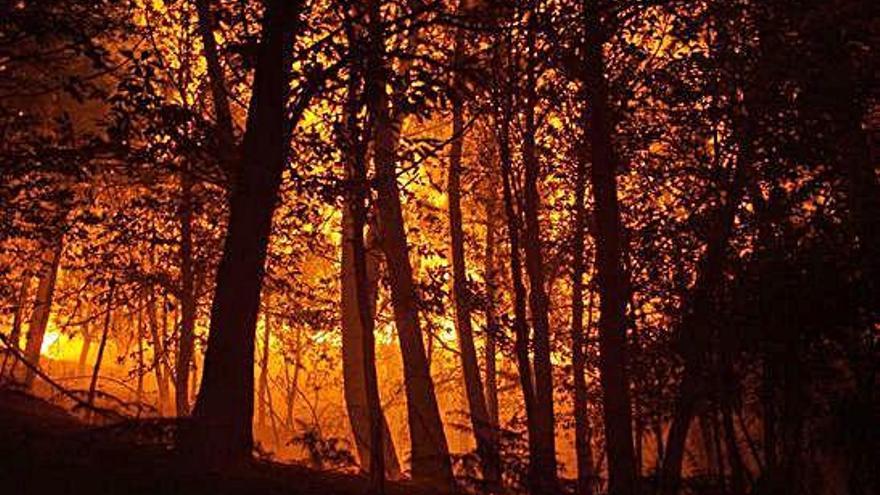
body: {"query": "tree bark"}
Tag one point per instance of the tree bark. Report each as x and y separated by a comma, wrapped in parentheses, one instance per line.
(612, 279)
(221, 430)
(42, 310)
(484, 433)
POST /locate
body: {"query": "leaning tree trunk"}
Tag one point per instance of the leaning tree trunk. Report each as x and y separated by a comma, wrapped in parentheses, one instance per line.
(484, 433)
(41, 311)
(221, 428)
(430, 452)
(612, 278)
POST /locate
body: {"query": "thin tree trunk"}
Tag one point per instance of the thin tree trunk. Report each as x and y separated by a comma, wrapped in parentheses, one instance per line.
(520, 323)
(140, 357)
(108, 313)
(158, 352)
(221, 431)
(186, 340)
(84, 352)
(42, 310)
(612, 278)
(484, 435)
(491, 278)
(264, 370)
(430, 452)
(15, 333)
(20, 303)
(294, 382)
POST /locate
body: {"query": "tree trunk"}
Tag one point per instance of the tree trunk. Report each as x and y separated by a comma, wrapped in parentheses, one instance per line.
(586, 474)
(108, 315)
(264, 371)
(520, 323)
(186, 340)
(542, 466)
(140, 357)
(484, 434)
(612, 279)
(20, 303)
(42, 310)
(158, 352)
(430, 452)
(490, 276)
(219, 95)
(84, 352)
(15, 333)
(221, 430)
(352, 348)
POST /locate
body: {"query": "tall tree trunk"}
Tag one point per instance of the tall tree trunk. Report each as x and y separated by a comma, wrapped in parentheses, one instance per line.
(42, 310)
(612, 279)
(186, 340)
(487, 448)
(582, 430)
(430, 452)
(542, 467)
(353, 345)
(520, 322)
(221, 430)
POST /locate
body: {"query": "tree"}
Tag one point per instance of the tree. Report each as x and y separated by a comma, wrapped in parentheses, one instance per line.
(221, 427)
(613, 281)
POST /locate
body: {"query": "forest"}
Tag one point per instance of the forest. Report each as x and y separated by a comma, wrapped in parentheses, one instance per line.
(587, 247)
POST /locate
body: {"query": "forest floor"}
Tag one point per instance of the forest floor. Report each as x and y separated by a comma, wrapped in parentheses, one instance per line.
(46, 450)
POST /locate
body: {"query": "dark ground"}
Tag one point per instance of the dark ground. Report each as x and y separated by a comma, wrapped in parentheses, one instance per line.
(46, 450)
